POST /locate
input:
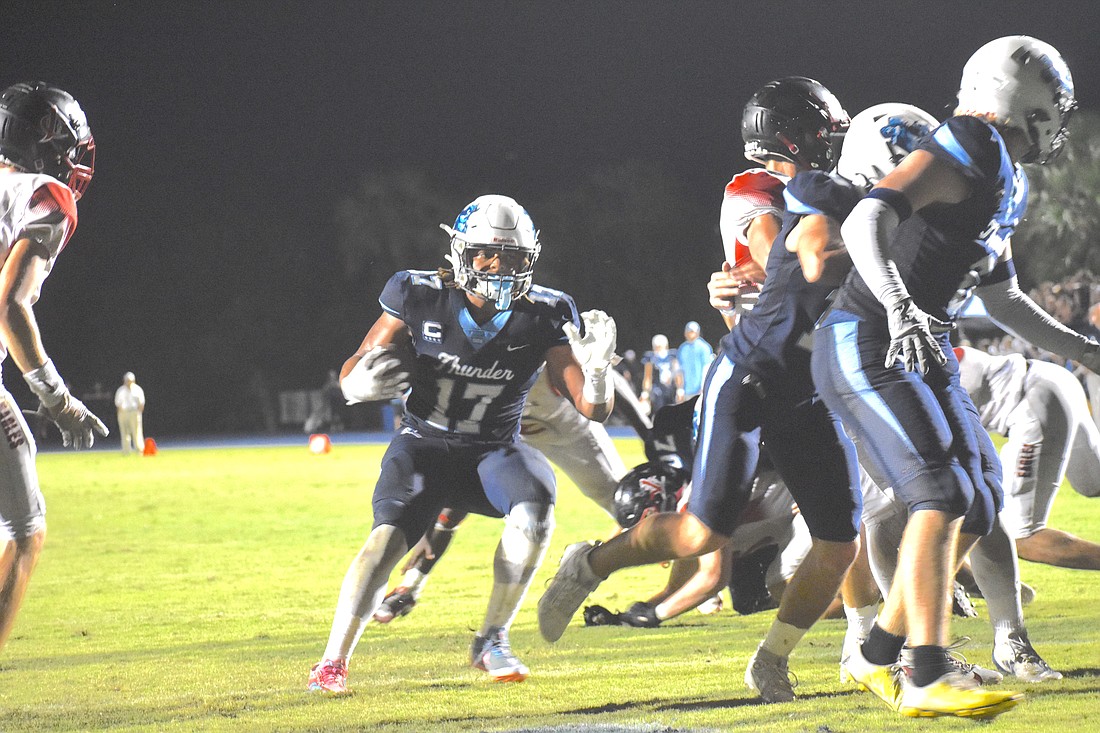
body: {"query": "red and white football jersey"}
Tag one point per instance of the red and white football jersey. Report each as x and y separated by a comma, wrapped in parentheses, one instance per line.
(37, 207)
(750, 194)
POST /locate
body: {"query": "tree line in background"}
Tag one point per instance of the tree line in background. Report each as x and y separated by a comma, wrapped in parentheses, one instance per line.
(273, 304)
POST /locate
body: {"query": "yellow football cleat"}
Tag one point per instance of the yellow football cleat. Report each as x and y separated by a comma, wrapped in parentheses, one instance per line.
(954, 694)
(881, 680)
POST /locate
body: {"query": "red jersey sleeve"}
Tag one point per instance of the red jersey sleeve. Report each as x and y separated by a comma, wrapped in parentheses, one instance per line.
(749, 195)
(51, 215)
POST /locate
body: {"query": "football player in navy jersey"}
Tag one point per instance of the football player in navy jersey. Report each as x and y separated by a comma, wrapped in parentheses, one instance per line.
(474, 338)
(877, 140)
(580, 447)
(930, 232)
(47, 158)
(758, 388)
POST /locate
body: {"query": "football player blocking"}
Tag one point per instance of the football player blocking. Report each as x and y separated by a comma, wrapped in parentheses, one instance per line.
(475, 338)
(47, 158)
(867, 156)
(937, 225)
(759, 387)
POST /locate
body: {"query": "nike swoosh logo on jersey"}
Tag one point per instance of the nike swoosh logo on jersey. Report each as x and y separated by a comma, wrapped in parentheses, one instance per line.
(509, 347)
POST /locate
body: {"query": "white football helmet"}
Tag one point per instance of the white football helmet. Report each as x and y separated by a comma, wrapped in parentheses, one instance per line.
(494, 225)
(1021, 83)
(879, 138)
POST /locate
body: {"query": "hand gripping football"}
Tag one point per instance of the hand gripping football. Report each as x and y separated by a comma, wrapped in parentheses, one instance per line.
(379, 375)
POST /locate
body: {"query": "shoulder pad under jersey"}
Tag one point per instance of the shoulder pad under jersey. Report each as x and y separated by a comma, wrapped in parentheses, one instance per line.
(50, 215)
(749, 195)
(815, 192)
(562, 304)
(972, 146)
(401, 283)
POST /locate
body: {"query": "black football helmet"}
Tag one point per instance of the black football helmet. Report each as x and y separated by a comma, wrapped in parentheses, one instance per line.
(44, 130)
(794, 119)
(648, 488)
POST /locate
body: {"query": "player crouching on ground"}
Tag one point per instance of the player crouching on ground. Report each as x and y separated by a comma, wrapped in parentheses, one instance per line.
(480, 334)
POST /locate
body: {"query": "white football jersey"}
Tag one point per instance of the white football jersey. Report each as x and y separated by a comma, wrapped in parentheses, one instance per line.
(995, 384)
(547, 411)
(38, 207)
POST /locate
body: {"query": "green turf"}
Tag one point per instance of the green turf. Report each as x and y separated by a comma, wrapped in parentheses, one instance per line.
(192, 591)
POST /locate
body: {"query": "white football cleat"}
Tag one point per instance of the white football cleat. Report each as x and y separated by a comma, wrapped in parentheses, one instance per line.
(567, 590)
(1018, 658)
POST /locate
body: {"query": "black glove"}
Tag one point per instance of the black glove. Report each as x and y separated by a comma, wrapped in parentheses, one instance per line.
(641, 615)
(913, 336)
(599, 616)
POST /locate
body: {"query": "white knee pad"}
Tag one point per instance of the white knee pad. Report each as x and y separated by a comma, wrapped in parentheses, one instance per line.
(527, 531)
(534, 521)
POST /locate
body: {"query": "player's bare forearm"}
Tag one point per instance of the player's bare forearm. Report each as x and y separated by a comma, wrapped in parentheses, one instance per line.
(387, 330)
(567, 378)
(20, 283)
(761, 234)
(821, 253)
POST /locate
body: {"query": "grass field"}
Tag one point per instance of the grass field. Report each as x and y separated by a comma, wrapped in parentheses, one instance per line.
(192, 590)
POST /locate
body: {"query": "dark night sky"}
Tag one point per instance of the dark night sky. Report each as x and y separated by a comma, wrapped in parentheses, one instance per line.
(254, 117)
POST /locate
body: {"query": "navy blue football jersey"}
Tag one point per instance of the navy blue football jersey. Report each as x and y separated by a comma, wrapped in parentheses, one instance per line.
(471, 381)
(766, 339)
(945, 250)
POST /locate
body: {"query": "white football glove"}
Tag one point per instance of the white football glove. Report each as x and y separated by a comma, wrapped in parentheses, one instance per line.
(595, 351)
(379, 375)
(78, 424)
(913, 337)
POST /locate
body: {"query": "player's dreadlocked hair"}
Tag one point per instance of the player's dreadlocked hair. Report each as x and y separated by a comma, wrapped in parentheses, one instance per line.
(447, 277)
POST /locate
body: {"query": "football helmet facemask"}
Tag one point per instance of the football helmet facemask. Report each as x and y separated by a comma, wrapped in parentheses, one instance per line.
(494, 228)
(879, 138)
(794, 119)
(1021, 83)
(648, 488)
(44, 130)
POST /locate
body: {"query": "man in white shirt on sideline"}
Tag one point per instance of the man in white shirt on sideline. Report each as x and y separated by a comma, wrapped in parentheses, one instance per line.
(130, 403)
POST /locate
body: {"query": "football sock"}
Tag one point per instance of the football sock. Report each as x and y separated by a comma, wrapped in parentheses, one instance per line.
(997, 573)
(527, 530)
(782, 638)
(882, 647)
(862, 618)
(930, 662)
(414, 580)
(363, 588)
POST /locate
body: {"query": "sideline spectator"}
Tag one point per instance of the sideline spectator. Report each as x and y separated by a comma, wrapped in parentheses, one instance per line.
(662, 379)
(695, 356)
(130, 403)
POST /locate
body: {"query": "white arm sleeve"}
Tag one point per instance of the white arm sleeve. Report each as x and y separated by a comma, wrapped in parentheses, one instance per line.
(866, 233)
(1012, 309)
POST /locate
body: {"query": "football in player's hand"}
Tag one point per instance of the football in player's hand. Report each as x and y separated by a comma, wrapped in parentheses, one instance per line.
(402, 352)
